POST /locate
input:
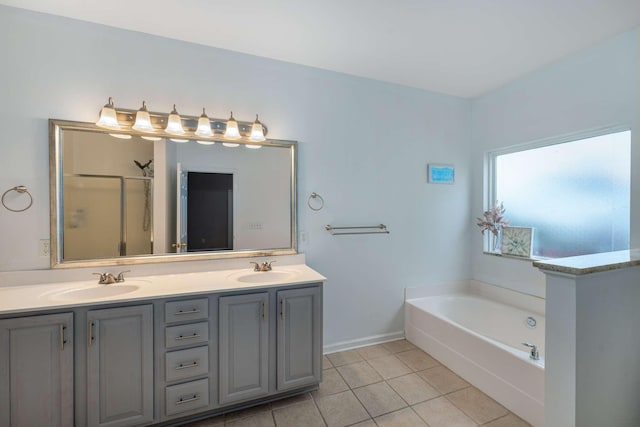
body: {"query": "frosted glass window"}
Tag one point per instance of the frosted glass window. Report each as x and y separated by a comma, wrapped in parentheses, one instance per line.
(575, 194)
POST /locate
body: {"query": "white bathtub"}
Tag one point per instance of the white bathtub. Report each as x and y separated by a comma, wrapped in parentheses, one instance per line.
(480, 339)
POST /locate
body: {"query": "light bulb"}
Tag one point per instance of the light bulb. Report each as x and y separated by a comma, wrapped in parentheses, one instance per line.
(255, 147)
(180, 141)
(204, 125)
(257, 132)
(199, 141)
(230, 144)
(143, 120)
(120, 135)
(232, 131)
(174, 123)
(151, 138)
(108, 117)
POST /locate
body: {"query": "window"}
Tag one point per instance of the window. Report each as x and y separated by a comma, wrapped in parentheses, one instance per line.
(576, 193)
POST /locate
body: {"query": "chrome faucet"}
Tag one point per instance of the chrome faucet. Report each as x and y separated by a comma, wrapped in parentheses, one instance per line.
(534, 351)
(265, 266)
(109, 278)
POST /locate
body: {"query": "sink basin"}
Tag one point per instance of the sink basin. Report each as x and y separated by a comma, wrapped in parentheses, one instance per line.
(266, 276)
(99, 291)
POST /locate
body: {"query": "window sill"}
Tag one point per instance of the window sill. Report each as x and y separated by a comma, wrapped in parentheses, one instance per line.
(520, 258)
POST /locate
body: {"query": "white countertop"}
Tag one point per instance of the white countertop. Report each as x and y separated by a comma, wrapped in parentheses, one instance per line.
(594, 263)
(48, 296)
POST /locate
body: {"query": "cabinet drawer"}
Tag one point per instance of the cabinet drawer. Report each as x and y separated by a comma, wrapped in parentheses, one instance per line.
(189, 363)
(187, 397)
(194, 333)
(181, 311)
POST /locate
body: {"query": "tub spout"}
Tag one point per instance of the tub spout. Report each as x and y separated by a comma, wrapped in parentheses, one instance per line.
(535, 355)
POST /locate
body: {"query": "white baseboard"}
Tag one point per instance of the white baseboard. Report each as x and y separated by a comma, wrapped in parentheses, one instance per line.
(363, 342)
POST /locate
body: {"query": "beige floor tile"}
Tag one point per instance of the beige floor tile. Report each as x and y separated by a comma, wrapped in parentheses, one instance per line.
(332, 383)
(480, 407)
(359, 374)
(209, 422)
(403, 418)
(243, 413)
(368, 423)
(264, 419)
(344, 358)
(389, 367)
(417, 359)
(413, 389)
(508, 421)
(342, 409)
(379, 399)
(326, 363)
(373, 351)
(444, 380)
(440, 412)
(398, 346)
(301, 414)
(290, 401)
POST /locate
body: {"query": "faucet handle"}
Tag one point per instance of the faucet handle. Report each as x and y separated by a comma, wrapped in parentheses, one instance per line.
(535, 355)
(268, 263)
(102, 279)
(256, 266)
(120, 277)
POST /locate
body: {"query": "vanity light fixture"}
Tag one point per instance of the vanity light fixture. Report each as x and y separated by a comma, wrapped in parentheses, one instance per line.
(232, 131)
(174, 124)
(153, 126)
(204, 125)
(143, 120)
(257, 131)
(108, 118)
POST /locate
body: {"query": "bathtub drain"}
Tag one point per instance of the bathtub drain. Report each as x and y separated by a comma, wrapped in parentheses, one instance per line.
(531, 322)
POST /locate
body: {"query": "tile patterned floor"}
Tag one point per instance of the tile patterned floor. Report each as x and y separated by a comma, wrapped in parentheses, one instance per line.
(386, 385)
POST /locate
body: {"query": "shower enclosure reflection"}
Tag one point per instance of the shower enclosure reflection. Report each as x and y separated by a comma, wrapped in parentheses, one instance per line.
(136, 200)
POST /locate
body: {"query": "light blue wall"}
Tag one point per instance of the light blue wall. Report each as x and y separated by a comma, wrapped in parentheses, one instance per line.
(364, 146)
(596, 88)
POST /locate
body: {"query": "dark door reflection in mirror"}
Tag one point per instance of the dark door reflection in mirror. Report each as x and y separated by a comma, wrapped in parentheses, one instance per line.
(209, 211)
(121, 199)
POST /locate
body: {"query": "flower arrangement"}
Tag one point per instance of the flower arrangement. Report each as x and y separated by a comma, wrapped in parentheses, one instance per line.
(494, 221)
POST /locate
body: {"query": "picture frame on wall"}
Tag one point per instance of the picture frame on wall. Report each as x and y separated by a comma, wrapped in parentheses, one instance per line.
(440, 174)
(517, 241)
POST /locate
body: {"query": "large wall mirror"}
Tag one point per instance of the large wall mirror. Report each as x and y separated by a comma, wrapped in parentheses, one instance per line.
(127, 201)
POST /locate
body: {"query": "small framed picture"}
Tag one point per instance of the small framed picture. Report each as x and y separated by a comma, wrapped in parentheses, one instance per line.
(440, 174)
(517, 241)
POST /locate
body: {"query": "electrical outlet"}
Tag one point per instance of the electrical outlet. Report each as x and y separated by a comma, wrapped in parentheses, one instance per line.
(304, 237)
(44, 247)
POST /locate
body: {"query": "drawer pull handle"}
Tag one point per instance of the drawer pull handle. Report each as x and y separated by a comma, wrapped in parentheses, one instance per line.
(187, 337)
(183, 366)
(181, 312)
(182, 400)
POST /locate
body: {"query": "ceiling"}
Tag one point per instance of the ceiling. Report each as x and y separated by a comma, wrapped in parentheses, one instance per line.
(457, 47)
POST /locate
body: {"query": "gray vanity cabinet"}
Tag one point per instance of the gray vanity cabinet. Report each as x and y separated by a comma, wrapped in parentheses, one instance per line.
(243, 347)
(36, 371)
(299, 338)
(120, 366)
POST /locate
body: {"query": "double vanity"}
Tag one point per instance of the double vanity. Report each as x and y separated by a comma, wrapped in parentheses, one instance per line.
(157, 349)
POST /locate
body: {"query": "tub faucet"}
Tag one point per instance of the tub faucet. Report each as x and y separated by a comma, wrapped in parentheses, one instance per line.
(534, 351)
(265, 266)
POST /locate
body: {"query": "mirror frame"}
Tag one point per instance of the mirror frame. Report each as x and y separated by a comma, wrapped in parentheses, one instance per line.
(56, 127)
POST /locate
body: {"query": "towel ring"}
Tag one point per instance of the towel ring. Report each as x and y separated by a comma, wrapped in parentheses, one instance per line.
(21, 189)
(315, 195)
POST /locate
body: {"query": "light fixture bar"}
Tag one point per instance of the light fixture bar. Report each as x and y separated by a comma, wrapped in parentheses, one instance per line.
(127, 117)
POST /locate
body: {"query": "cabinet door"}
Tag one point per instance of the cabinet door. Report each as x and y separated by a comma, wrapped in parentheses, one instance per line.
(244, 347)
(120, 366)
(299, 338)
(36, 371)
